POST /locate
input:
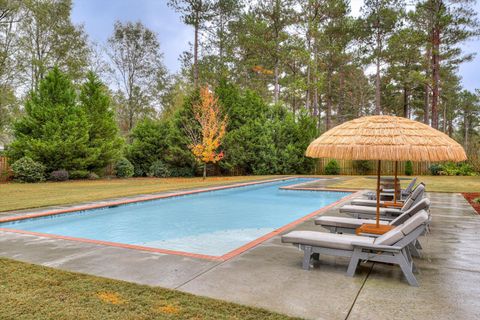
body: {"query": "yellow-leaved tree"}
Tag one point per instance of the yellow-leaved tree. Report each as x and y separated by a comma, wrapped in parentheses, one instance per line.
(207, 140)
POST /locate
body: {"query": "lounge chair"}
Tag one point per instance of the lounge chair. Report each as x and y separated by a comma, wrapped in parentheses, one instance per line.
(391, 247)
(388, 193)
(349, 225)
(417, 192)
(404, 192)
(386, 213)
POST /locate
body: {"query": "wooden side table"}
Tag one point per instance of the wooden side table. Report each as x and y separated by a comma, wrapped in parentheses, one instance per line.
(392, 204)
(371, 228)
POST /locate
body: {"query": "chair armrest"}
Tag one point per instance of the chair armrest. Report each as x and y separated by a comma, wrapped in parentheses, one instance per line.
(393, 210)
(376, 247)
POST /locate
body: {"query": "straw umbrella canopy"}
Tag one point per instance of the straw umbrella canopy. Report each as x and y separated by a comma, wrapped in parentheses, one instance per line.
(385, 138)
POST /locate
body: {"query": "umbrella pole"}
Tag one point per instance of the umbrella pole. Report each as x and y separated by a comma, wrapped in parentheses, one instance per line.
(395, 184)
(378, 194)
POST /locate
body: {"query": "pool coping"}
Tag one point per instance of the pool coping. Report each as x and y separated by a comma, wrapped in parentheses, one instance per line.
(299, 187)
(223, 257)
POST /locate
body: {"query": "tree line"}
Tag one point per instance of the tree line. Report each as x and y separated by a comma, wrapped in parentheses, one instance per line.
(283, 71)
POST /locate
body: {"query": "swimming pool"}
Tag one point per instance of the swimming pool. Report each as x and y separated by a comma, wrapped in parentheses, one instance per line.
(207, 224)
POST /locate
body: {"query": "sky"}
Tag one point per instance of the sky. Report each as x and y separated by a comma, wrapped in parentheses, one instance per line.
(98, 17)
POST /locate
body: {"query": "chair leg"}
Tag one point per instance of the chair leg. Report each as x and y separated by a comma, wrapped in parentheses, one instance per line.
(306, 257)
(418, 245)
(406, 269)
(352, 266)
(408, 254)
(414, 251)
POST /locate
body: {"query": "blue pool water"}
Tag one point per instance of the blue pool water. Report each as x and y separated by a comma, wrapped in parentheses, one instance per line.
(211, 223)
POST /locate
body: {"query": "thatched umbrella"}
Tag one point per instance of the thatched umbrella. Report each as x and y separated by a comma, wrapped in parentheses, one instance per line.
(385, 138)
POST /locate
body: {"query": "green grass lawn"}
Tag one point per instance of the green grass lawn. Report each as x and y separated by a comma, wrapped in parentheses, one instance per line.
(16, 196)
(34, 292)
(433, 183)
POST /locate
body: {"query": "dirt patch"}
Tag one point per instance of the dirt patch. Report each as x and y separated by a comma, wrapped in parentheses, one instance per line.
(470, 197)
(110, 297)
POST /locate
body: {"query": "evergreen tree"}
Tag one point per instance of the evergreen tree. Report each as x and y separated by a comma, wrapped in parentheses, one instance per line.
(54, 129)
(445, 24)
(104, 142)
(380, 20)
(196, 13)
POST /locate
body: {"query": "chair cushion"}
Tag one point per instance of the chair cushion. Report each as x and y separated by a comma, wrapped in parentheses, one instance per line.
(390, 237)
(419, 190)
(343, 222)
(407, 204)
(423, 204)
(364, 202)
(414, 222)
(409, 188)
(324, 239)
(367, 210)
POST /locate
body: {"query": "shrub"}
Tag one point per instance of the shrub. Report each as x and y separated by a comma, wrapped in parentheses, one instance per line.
(363, 166)
(332, 167)
(465, 169)
(27, 170)
(159, 169)
(123, 168)
(59, 175)
(435, 169)
(408, 168)
(457, 169)
(79, 174)
(53, 127)
(182, 172)
(93, 176)
(476, 200)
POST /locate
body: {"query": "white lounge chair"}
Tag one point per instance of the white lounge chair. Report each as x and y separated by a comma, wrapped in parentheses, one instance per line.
(349, 225)
(417, 192)
(391, 247)
(386, 213)
(388, 193)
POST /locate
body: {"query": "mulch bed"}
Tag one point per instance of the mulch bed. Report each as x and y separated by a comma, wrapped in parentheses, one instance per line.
(470, 197)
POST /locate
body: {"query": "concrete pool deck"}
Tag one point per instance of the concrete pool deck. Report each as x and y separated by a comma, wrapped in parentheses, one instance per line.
(270, 274)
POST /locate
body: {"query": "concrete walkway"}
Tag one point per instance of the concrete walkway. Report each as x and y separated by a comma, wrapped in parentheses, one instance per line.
(270, 275)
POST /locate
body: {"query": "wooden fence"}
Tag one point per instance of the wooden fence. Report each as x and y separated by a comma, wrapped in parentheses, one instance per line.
(4, 169)
(349, 167)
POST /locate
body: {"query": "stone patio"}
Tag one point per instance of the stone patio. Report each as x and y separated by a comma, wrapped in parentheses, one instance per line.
(270, 275)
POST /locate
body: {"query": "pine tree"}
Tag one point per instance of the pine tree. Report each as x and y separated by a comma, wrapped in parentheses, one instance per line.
(54, 129)
(381, 18)
(104, 142)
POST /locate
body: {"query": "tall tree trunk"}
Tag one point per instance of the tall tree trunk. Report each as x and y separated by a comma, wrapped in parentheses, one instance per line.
(405, 102)
(435, 70)
(221, 36)
(195, 55)
(426, 104)
(445, 119)
(341, 99)
(319, 115)
(465, 139)
(277, 87)
(308, 91)
(204, 171)
(328, 102)
(378, 108)
(316, 110)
